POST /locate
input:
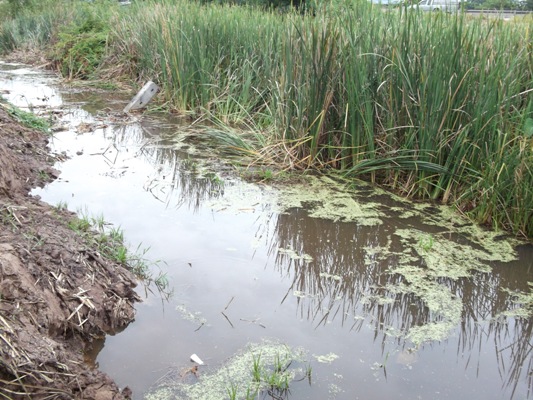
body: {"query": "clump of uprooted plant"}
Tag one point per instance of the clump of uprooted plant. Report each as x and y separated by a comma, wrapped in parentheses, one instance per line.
(435, 106)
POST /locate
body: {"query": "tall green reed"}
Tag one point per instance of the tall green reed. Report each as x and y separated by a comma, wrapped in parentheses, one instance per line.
(424, 103)
(205, 57)
(33, 28)
(433, 105)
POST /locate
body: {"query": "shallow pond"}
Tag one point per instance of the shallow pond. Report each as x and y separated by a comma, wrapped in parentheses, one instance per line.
(370, 296)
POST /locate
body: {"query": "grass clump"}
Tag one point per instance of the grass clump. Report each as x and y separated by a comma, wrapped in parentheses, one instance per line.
(8, 217)
(265, 369)
(272, 376)
(12, 8)
(27, 118)
(81, 46)
(32, 27)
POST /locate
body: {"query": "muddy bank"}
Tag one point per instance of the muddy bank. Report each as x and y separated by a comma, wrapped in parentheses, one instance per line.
(57, 293)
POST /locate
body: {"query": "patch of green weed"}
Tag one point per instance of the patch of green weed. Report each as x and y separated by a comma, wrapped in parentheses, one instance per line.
(523, 303)
(9, 217)
(29, 119)
(81, 47)
(263, 370)
(109, 242)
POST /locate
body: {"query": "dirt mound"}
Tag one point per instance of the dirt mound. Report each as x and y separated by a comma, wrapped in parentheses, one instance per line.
(57, 294)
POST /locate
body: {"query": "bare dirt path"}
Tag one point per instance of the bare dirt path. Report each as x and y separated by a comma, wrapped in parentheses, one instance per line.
(57, 293)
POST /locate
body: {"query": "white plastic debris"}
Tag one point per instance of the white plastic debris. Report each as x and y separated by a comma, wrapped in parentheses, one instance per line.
(197, 359)
(143, 97)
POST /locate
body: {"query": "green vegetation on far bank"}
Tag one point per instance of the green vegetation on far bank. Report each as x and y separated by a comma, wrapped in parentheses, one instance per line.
(432, 105)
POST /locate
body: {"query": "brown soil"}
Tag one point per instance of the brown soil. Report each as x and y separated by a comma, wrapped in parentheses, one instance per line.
(57, 293)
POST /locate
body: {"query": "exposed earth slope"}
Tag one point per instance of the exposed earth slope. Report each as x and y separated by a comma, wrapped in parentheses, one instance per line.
(57, 293)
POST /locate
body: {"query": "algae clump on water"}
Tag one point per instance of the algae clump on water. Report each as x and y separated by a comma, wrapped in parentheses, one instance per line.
(325, 198)
(237, 374)
(524, 302)
(428, 262)
(442, 260)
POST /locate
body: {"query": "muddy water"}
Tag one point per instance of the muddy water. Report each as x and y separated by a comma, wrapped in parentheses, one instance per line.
(385, 299)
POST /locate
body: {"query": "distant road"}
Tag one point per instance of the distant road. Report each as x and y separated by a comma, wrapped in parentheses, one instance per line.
(505, 14)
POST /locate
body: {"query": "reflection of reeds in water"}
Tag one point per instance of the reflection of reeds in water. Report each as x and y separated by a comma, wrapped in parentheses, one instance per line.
(349, 280)
(484, 301)
(178, 178)
(339, 283)
(187, 185)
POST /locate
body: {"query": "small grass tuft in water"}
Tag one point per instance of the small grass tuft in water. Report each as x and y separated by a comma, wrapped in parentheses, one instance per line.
(271, 378)
(232, 392)
(109, 241)
(256, 367)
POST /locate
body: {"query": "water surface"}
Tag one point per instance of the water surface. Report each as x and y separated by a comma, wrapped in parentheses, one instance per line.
(389, 299)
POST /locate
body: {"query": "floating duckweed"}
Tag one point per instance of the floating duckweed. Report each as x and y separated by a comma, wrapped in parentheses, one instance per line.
(497, 245)
(425, 242)
(295, 256)
(449, 259)
(189, 316)
(405, 213)
(525, 302)
(329, 276)
(326, 359)
(373, 299)
(334, 389)
(243, 198)
(374, 254)
(443, 258)
(435, 331)
(427, 262)
(393, 332)
(236, 373)
(328, 199)
(164, 393)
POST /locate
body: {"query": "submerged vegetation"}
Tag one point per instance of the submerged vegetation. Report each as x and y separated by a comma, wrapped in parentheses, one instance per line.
(434, 106)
